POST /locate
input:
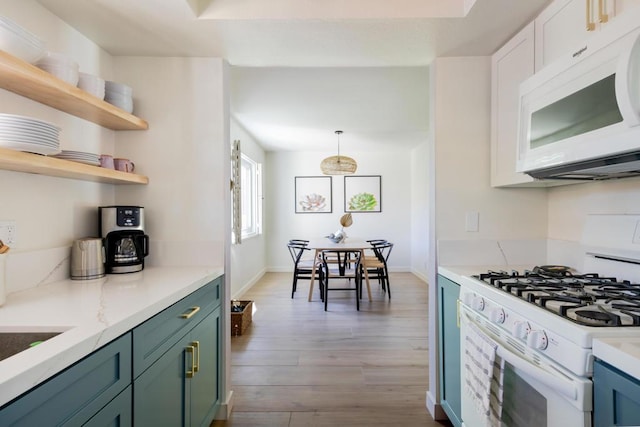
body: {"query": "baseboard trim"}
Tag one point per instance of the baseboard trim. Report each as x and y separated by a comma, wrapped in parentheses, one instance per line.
(224, 411)
(238, 294)
(435, 409)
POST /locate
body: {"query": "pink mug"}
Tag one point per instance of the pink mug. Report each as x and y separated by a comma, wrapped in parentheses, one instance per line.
(106, 161)
(124, 165)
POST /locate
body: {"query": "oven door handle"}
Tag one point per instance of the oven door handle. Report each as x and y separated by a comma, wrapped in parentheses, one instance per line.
(558, 382)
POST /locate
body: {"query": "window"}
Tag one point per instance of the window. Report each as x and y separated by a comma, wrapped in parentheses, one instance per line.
(246, 195)
(251, 197)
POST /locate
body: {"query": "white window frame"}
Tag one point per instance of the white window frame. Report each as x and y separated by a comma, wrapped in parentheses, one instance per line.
(251, 194)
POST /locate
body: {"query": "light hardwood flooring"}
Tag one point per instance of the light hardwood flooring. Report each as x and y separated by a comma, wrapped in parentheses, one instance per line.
(297, 365)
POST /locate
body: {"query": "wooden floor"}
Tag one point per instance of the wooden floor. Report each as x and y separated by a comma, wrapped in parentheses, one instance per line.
(297, 365)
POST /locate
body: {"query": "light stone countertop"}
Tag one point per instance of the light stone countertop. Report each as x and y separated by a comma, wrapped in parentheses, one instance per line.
(90, 313)
(620, 352)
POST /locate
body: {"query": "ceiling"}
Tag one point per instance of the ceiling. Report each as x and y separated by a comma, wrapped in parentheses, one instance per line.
(303, 69)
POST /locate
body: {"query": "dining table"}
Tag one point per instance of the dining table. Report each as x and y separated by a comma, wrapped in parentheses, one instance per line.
(349, 244)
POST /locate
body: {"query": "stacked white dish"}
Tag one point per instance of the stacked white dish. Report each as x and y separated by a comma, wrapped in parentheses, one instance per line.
(60, 66)
(19, 42)
(92, 84)
(119, 95)
(79, 156)
(24, 133)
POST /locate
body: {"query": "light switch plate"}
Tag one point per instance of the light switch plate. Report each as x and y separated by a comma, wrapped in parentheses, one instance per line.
(8, 232)
(472, 221)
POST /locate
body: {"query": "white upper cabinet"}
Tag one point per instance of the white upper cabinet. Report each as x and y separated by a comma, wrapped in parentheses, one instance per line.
(565, 24)
(510, 66)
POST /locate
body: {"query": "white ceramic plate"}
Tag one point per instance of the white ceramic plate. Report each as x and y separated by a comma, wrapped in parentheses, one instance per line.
(31, 148)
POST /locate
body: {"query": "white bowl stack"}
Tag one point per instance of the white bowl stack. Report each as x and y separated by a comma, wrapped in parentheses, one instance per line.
(92, 84)
(19, 42)
(120, 95)
(60, 66)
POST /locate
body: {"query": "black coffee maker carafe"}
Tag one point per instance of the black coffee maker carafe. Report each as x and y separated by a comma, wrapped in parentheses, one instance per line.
(125, 243)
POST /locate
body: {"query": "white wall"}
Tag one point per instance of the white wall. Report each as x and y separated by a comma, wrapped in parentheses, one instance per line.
(569, 205)
(420, 210)
(51, 212)
(393, 223)
(461, 111)
(182, 153)
(248, 259)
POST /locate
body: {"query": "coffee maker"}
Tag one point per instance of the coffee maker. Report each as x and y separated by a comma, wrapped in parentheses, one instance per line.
(122, 232)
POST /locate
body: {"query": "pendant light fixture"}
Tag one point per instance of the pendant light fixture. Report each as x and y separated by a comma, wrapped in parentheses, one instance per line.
(338, 165)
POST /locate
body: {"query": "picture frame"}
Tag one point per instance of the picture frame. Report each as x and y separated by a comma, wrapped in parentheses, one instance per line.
(363, 193)
(313, 194)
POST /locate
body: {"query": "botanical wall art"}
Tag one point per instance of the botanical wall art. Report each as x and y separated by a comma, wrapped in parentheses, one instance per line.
(363, 193)
(313, 194)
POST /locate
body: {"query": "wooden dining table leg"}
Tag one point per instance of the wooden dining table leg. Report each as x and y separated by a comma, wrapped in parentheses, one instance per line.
(313, 274)
(366, 275)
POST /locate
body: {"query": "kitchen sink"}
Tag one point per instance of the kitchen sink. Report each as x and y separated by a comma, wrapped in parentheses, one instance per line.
(14, 342)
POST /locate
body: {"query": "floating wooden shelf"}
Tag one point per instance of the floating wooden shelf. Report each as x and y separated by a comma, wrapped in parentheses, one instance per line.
(43, 165)
(30, 81)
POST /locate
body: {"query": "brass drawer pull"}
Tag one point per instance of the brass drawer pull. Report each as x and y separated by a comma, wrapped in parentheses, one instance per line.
(191, 349)
(196, 345)
(590, 25)
(192, 311)
(602, 16)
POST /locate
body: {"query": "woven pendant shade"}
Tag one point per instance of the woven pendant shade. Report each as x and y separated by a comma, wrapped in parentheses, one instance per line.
(338, 165)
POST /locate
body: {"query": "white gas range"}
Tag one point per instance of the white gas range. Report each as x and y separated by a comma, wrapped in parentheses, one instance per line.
(542, 321)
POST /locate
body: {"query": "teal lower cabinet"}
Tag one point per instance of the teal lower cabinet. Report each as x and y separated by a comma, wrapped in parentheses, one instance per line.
(164, 372)
(181, 387)
(75, 395)
(616, 397)
(449, 349)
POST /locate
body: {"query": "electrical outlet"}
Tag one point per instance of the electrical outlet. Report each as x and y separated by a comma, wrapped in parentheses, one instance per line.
(8, 232)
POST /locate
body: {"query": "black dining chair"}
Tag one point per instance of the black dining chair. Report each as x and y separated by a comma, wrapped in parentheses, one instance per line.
(303, 264)
(376, 265)
(341, 266)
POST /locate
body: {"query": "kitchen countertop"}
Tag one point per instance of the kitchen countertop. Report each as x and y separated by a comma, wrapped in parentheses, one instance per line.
(620, 352)
(90, 313)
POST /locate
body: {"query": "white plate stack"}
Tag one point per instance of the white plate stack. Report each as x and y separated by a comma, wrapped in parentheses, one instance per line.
(92, 84)
(79, 156)
(24, 133)
(60, 66)
(19, 42)
(119, 95)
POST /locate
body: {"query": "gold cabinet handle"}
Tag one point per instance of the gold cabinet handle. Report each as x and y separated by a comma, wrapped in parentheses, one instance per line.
(590, 25)
(192, 311)
(602, 16)
(196, 345)
(191, 349)
(458, 313)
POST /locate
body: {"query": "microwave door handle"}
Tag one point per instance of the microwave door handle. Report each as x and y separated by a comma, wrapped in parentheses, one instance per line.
(558, 383)
(628, 82)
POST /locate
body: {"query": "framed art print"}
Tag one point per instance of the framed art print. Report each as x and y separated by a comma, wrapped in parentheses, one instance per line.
(363, 193)
(313, 194)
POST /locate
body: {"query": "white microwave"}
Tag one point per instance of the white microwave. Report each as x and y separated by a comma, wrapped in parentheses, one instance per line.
(580, 117)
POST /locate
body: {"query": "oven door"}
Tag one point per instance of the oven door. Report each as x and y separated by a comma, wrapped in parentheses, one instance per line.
(536, 392)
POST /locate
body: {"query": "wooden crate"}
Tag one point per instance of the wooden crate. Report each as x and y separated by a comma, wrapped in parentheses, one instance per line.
(241, 320)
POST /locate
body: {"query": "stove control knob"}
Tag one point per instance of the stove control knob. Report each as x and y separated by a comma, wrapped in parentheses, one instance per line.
(478, 303)
(537, 340)
(520, 329)
(497, 315)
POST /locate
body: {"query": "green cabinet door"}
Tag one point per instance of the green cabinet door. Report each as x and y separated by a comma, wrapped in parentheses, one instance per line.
(616, 397)
(181, 388)
(449, 349)
(205, 394)
(160, 393)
